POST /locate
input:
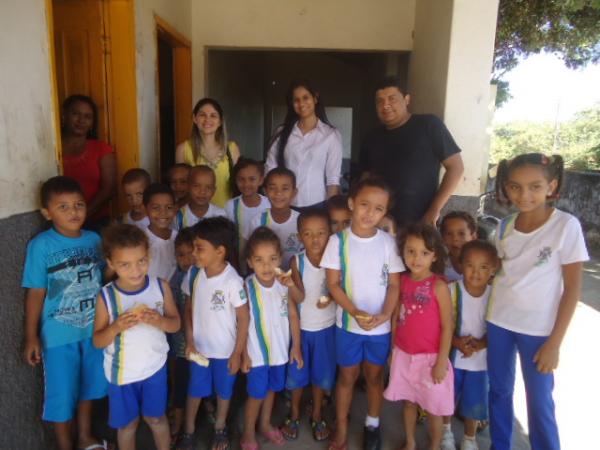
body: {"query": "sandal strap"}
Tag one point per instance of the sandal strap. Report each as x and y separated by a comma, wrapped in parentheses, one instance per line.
(292, 423)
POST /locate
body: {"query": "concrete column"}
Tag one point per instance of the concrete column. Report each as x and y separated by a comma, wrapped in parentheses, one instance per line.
(449, 75)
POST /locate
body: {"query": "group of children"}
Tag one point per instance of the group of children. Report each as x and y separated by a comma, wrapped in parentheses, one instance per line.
(326, 294)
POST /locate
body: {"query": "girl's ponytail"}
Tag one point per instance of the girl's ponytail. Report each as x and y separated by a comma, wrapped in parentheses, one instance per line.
(501, 177)
(556, 171)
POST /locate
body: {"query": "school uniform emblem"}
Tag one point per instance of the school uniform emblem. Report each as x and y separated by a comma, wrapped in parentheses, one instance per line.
(217, 301)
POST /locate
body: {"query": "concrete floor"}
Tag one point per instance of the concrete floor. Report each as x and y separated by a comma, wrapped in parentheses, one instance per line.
(577, 394)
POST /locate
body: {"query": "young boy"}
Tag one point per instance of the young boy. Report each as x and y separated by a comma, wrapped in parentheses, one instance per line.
(134, 183)
(317, 326)
(280, 187)
(339, 213)
(62, 276)
(184, 248)
(479, 261)
(457, 228)
(160, 204)
(216, 325)
(133, 314)
(179, 175)
(203, 185)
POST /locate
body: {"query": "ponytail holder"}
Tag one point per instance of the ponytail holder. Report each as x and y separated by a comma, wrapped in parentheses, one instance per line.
(545, 160)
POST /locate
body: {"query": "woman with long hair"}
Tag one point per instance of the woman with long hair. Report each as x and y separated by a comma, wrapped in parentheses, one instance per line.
(208, 145)
(308, 145)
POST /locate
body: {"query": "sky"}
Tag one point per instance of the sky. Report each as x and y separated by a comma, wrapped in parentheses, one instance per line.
(544, 89)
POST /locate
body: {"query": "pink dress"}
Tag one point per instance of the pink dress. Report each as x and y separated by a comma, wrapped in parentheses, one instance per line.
(416, 347)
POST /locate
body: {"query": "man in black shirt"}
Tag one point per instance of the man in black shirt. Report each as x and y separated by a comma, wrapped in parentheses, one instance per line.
(407, 152)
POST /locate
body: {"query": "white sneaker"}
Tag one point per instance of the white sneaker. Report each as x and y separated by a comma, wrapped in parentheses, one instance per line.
(448, 442)
(469, 444)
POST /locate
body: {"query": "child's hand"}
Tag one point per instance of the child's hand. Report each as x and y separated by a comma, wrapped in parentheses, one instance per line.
(296, 356)
(152, 317)
(464, 344)
(377, 320)
(285, 278)
(234, 363)
(363, 319)
(190, 348)
(439, 371)
(547, 357)
(33, 351)
(324, 304)
(478, 344)
(125, 321)
(246, 362)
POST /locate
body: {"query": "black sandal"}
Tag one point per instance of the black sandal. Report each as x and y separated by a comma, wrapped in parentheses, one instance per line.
(290, 429)
(319, 427)
(221, 440)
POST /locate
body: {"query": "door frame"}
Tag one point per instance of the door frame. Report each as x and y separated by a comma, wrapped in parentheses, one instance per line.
(121, 84)
(182, 81)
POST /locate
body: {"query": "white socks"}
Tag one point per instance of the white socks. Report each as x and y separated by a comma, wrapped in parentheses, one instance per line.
(372, 422)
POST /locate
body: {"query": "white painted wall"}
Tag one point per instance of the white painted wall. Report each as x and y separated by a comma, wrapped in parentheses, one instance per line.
(27, 137)
(303, 24)
(177, 14)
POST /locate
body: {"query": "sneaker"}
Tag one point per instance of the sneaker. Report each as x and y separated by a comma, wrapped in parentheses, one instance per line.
(469, 444)
(372, 439)
(448, 440)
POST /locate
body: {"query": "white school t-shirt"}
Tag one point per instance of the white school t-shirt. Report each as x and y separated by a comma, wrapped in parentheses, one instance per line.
(314, 280)
(287, 232)
(214, 320)
(186, 218)
(140, 351)
(162, 255)
(471, 323)
(367, 263)
(142, 223)
(269, 330)
(528, 287)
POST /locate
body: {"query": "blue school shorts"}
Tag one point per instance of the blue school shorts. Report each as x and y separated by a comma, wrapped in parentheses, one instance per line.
(353, 348)
(262, 379)
(471, 393)
(72, 373)
(147, 396)
(215, 377)
(318, 353)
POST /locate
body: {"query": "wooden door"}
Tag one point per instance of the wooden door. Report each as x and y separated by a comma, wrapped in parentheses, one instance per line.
(80, 54)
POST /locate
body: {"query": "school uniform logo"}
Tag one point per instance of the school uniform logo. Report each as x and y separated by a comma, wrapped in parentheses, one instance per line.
(384, 276)
(543, 256)
(292, 244)
(283, 306)
(217, 301)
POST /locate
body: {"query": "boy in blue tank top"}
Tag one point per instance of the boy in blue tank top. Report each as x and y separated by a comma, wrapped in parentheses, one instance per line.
(62, 276)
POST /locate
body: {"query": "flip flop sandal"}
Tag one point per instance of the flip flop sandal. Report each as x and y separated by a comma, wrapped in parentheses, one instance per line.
(185, 442)
(274, 436)
(290, 429)
(319, 427)
(221, 439)
(249, 445)
(104, 445)
(335, 446)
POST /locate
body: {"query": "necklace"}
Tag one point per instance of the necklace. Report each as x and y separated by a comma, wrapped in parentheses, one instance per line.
(215, 161)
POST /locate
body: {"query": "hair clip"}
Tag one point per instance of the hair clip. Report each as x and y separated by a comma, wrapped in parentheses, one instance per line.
(545, 160)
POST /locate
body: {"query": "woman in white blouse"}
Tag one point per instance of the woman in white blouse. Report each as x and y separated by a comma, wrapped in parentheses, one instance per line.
(308, 145)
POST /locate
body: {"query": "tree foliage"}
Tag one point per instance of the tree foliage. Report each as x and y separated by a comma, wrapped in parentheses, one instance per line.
(577, 140)
(567, 28)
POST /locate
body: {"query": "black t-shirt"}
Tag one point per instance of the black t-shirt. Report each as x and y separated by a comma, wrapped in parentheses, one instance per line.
(409, 158)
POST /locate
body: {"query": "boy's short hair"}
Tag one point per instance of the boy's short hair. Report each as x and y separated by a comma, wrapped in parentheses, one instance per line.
(137, 174)
(480, 245)
(59, 185)
(179, 166)
(155, 189)
(204, 169)
(312, 213)
(281, 172)
(248, 162)
(338, 201)
(462, 215)
(122, 235)
(373, 181)
(219, 231)
(262, 235)
(185, 237)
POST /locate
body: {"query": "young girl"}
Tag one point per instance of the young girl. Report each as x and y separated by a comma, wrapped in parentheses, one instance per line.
(534, 295)
(249, 176)
(272, 317)
(363, 269)
(457, 228)
(133, 313)
(420, 372)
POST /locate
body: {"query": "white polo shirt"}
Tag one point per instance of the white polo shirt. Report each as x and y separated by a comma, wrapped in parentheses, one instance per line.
(315, 158)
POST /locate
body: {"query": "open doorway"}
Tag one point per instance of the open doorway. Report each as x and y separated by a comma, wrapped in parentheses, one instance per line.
(174, 75)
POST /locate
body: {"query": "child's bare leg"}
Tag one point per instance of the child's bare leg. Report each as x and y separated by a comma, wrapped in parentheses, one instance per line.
(84, 424)
(160, 431)
(470, 428)
(63, 434)
(435, 430)
(296, 400)
(317, 395)
(410, 421)
(250, 417)
(191, 411)
(447, 420)
(265, 413)
(374, 378)
(126, 435)
(177, 420)
(343, 399)
(222, 411)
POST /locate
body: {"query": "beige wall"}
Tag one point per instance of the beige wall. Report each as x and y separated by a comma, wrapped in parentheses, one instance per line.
(176, 14)
(450, 72)
(302, 24)
(27, 136)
